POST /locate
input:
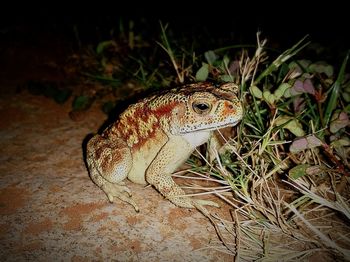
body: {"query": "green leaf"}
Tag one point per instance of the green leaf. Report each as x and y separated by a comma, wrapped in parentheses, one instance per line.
(290, 123)
(210, 56)
(346, 97)
(321, 67)
(103, 45)
(226, 61)
(81, 102)
(255, 91)
(281, 90)
(203, 72)
(268, 97)
(226, 78)
(304, 169)
(298, 171)
(299, 64)
(344, 141)
(50, 90)
(62, 95)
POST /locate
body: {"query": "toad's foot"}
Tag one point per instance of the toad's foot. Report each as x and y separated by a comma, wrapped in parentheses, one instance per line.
(118, 191)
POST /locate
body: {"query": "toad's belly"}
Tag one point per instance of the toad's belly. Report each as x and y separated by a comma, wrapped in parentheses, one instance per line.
(143, 156)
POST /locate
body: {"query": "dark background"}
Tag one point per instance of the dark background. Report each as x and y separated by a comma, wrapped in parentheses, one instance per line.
(284, 22)
(29, 31)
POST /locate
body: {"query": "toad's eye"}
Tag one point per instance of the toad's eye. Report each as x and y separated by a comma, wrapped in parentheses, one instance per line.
(201, 108)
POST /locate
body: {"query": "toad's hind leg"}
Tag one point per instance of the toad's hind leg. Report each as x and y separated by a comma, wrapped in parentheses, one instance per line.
(109, 163)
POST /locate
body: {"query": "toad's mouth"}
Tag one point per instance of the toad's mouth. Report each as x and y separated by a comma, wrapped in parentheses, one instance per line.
(206, 128)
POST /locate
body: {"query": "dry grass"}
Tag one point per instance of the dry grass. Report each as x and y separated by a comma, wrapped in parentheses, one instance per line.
(284, 205)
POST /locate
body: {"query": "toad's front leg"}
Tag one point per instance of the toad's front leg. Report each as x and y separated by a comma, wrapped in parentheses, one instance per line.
(175, 152)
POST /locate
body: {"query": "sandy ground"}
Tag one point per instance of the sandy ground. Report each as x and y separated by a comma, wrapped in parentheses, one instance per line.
(50, 210)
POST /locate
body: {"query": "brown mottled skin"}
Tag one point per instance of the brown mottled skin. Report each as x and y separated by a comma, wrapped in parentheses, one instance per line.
(153, 137)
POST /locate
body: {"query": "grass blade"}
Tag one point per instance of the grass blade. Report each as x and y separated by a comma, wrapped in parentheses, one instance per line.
(335, 89)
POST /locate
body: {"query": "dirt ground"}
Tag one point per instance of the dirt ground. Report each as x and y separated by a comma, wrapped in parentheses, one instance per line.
(50, 210)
